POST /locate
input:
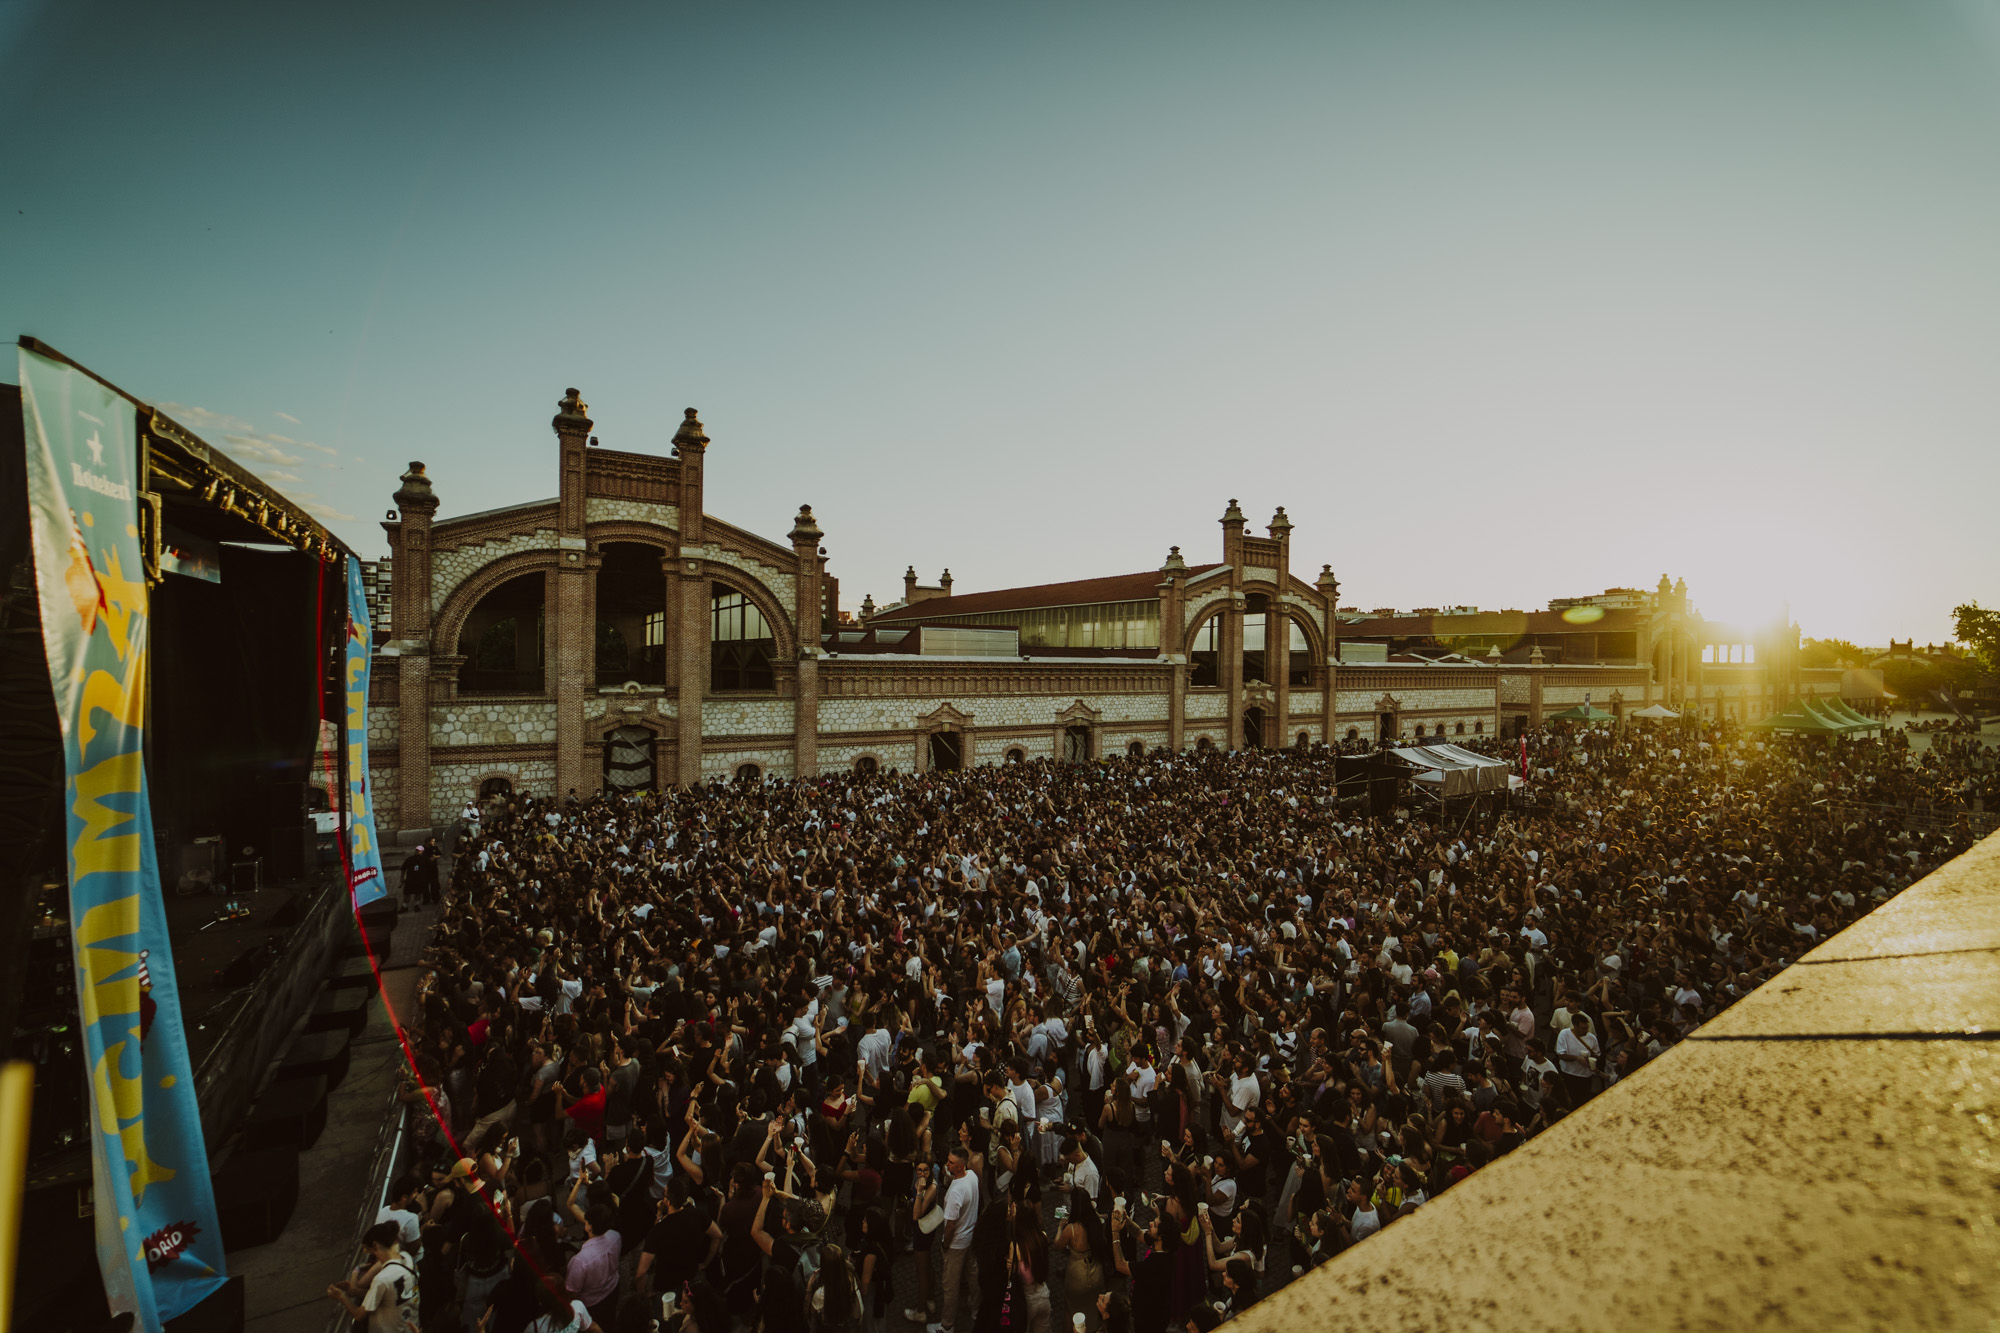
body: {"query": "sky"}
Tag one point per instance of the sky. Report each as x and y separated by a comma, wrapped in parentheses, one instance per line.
(1500, 302)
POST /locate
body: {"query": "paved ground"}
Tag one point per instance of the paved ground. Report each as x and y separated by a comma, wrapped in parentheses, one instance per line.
(285, 1281)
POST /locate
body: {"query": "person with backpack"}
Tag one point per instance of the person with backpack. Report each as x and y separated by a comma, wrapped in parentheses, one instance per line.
(387, 1288)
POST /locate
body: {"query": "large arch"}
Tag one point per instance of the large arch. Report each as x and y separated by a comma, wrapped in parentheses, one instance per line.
(1294, 613)
(449, 622)
(778, 617)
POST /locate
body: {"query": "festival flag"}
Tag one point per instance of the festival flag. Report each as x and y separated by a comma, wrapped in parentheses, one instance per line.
(364, 853)
(157, 1240)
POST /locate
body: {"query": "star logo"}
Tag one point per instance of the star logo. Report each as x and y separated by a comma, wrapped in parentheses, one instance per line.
(96, 447)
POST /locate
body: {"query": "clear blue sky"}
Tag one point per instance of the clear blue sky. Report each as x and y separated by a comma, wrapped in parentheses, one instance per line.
(1501, 301)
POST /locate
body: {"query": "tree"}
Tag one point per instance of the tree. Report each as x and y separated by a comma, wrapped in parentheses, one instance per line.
(1830, 653)
(1979, 629)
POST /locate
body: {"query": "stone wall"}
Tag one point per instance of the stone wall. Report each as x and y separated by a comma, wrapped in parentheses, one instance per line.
(723, 717)
(1206, 705)
(453, 566)
(892, 713)
(493, 722)
(597, 509)
(782, 584)
(384, 726)
(723, 763)
(453, 784)
(384, 790)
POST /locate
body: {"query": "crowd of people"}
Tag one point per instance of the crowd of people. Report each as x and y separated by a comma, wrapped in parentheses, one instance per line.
(1126, 1044)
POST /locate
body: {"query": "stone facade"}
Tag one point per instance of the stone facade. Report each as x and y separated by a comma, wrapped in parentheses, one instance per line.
(441, 730)
(453, 566)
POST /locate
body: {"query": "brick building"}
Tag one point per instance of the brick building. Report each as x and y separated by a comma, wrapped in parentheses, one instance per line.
(617, 634)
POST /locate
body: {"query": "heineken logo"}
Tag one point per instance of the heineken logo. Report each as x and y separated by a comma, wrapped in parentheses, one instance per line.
(91, 481)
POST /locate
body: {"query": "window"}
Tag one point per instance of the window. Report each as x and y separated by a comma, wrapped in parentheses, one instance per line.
(1300, 657)
(1204, 744)
(1708, 653)
(1136, 750)
(501, 640)
(656, 629)
(492, 787)
(1736, 652)
(1461, 729)
(748, 773)
(1204, 662)
(865, 766)
(743, 646)
(1017, 756)
(1479, 728)
(1124, 625)
(611, 655)
(1354, 733)
(1303, 740)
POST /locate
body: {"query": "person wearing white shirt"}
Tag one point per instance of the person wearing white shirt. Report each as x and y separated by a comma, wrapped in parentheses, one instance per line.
(1244, 1093)
(1576, 1052)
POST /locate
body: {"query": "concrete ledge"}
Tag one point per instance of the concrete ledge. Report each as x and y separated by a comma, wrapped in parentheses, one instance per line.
(1826, 1153)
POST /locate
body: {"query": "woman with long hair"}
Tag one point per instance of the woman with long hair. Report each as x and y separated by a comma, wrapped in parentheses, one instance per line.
(833, 1300)
(926, 1196)
(1083, 1237)
(875, 1275)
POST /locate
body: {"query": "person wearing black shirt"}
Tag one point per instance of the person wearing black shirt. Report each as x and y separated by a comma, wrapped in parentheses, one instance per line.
(1253, 1154)
(680, 1243)
(494, 1090)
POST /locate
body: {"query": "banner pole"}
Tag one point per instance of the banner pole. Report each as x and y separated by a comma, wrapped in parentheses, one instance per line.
(17, 1102)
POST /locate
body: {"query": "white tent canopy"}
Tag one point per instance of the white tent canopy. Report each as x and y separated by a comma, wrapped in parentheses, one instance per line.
(1657, 710)
(1455, 771)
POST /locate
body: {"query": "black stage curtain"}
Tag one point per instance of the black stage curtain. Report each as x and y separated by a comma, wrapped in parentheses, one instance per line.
(237, 677)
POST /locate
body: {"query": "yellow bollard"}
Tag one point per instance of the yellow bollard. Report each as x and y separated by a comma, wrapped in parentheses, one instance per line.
(17, 1099)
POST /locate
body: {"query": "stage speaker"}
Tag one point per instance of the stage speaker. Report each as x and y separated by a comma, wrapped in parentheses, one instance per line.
(339, 1010)
(321, 1054)
(288, 851)
(245, 967)
(291, 1112)
(352, 973)
(222, 1312)
(286, 803)
(255, 1195)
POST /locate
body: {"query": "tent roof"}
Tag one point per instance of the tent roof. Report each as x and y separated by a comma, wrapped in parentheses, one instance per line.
(1657, 710)
(1579, 713)
(1800, 718)
(1839, 709)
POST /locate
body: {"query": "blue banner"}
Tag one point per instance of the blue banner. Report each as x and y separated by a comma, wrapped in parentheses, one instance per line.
(157, 1240)
(364, 853)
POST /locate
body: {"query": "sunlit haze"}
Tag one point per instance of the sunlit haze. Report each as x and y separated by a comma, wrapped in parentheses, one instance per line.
(1501, 302)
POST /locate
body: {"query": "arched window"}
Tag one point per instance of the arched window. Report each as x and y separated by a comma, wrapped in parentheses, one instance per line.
(1298, 656)
(631, 605)
(1420, 731)
(1203, 663)
(1303, 740)
(501, 640)
(1017, 756)
(1461, 729)
(493, 787)
(748, 773)
(612, 658)
(1354, 733)
(1204, 744)
(1136, 750)
(1479, 728)
(743, 646)
(865, 766)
